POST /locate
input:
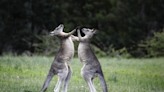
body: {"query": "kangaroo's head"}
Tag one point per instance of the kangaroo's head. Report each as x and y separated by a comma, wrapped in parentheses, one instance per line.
(89, 32)
(58, 31)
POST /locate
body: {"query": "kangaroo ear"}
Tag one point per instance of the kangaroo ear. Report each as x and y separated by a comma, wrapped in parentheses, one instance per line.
(95, 31)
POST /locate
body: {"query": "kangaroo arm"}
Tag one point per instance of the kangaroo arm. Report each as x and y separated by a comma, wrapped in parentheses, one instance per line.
(74, 38)
(79, 35)
(70, 33)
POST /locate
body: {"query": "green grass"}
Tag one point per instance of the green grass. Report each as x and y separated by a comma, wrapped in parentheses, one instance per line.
(27, 74)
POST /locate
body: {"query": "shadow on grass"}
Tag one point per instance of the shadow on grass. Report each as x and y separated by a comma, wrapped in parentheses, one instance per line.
(27, 91)
(114, 77)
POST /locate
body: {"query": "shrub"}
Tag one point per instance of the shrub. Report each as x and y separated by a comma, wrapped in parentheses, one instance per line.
(154, 46)
(48, 44)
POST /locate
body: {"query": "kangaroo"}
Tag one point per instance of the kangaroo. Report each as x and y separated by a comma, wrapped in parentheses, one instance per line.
(60, 65)
(91, 66)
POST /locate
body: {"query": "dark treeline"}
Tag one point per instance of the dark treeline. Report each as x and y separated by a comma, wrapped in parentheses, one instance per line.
(122, 23)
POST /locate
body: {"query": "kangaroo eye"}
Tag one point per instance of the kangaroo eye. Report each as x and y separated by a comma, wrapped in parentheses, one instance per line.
(57, 28)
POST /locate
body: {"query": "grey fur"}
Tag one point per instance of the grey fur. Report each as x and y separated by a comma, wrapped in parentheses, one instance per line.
(61, 64)
(91, 66)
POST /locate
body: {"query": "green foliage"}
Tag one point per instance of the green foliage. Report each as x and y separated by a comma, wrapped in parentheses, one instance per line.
(27, 74)
(154, 46)
(122, 23)
(49, 45)
(112, 52)
(97, 51)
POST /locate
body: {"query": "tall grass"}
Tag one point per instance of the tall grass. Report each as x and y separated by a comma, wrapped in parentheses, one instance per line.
(27, 74)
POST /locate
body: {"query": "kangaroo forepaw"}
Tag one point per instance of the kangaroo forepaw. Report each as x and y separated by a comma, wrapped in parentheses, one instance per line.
(78, 27)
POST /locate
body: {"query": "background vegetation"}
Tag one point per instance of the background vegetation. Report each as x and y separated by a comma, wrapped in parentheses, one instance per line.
(124, 25)
(27, 74)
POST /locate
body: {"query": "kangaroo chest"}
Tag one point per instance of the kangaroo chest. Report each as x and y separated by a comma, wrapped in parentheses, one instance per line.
(66, 51)
(84, 53)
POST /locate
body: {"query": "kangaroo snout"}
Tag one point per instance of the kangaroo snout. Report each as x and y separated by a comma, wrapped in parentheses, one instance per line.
(61, 25)
(51, 33)
(84, 29)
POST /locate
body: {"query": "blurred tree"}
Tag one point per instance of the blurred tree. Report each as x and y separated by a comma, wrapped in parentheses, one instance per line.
(122, 23)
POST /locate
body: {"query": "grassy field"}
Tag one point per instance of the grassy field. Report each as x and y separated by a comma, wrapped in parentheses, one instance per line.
(27, 74)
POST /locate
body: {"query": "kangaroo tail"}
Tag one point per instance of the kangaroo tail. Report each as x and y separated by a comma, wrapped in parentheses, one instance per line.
(103, 82)
(47, 81)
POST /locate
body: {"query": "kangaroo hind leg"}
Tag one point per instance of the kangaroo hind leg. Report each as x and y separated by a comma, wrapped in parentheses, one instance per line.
(65, 85)
(61, 77)
(89, 81)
